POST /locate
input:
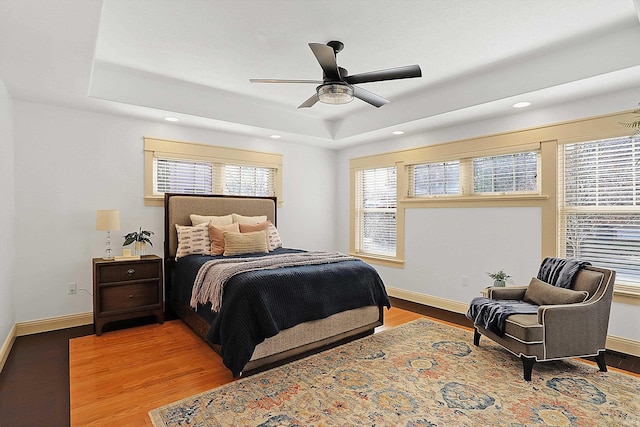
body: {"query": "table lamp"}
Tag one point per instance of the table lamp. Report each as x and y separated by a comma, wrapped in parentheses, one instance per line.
(107, 220)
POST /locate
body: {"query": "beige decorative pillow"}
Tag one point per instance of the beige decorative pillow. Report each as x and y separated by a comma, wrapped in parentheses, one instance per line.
(193, 240)
(272, 233)
(245, 243)
(541, 293)
(216, 235)
(240, 219)
(214, 220)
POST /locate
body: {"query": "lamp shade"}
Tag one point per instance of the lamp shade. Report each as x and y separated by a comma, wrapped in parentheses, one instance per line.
(332, 93)
(108, 220)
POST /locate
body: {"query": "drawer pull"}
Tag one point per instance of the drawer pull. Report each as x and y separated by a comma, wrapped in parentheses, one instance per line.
(131, 296)
(130, 271)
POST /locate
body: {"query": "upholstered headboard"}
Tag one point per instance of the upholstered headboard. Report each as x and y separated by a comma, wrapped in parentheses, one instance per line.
(178, 207)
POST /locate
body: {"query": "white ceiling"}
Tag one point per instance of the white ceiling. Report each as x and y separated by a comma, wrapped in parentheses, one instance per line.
(192, 59)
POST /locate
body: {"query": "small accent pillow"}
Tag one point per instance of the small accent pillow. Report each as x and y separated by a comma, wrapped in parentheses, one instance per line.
(193, 240)
(272, 232)
(216, 235)
(240, 219)
(245, 243)
(274, 237)
(214, 220)
(541, 293)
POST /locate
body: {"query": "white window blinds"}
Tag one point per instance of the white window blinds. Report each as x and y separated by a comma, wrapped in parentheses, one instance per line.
(376, 203)
(504, 174)
(200, 177)
(249, 180)
(433, 179)
(599, 204)
(183, 176)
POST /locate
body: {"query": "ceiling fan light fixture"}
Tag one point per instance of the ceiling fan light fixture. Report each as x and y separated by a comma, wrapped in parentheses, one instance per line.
(335, 93)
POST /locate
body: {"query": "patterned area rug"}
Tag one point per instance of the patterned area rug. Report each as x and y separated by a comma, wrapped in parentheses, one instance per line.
(422, 373)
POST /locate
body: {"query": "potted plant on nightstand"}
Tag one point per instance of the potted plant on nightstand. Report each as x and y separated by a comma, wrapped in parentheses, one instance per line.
(499, 278)
(140, 239)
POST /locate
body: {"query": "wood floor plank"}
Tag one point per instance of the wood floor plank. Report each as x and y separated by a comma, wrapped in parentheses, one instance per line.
(118, 377)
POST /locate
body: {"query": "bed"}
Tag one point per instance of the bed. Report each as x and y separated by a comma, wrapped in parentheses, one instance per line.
(263, 321)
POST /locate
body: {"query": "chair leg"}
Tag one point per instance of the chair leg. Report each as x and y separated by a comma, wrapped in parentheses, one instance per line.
(476, 337)
(527, 365)
(600, 360)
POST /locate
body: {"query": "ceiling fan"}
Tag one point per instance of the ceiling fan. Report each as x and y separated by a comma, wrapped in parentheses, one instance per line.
(337, 87)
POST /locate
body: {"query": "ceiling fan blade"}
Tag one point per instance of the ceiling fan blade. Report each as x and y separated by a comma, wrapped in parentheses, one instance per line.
(317, 82)
(370, 97)
(327, 59)
(309, 102)
(405, 72)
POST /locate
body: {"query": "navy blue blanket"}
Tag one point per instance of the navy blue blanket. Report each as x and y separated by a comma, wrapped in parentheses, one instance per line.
(259, 304)
(492, 313)
(560, 272)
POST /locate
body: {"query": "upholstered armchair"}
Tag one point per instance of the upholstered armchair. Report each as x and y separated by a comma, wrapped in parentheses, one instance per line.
(560, 327)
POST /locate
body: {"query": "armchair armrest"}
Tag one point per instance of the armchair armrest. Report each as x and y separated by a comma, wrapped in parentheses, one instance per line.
(573, 329)
(509, 292)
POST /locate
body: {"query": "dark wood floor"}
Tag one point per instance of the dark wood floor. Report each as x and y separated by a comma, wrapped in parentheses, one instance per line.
(34, 384)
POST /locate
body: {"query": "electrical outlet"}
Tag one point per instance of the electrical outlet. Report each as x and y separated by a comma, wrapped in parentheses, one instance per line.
(72, 288)
(465, 281)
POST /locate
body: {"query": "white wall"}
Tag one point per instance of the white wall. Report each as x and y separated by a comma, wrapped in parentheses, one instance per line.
(70, 163)
(442, 245)
(7, 217)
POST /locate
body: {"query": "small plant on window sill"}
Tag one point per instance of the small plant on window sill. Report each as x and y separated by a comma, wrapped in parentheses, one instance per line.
(634, 124)
(499, 278)
(140, 238)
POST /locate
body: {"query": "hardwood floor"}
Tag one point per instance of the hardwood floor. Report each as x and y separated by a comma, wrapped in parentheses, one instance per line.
(116, 379)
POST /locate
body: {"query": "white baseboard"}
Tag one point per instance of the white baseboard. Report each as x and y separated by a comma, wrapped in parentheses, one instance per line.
(622, 345)
(6, 347)
(443, 303)
(53, 323)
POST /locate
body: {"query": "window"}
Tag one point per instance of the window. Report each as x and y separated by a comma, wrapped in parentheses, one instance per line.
(182, 176)
(599, 204)
(511, 173)
(434, 179)
(503, 174)
(179, 167)
(376, 204)
(197, 177)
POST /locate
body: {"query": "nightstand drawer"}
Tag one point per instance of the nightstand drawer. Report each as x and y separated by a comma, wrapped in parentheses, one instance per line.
(123, 297)
(121, 272)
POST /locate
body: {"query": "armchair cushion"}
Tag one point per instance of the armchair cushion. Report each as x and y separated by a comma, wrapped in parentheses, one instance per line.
(541, 293)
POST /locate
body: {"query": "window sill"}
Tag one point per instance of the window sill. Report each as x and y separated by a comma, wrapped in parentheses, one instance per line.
(471, 199)
(159, 201)
(381, 260)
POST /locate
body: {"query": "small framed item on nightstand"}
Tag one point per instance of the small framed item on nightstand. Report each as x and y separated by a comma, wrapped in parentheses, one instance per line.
(127, 289)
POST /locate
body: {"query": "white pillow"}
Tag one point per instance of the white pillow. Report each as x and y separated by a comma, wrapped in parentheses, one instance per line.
(213, 220)
(248, 219)
(193, 240)
(274, 237)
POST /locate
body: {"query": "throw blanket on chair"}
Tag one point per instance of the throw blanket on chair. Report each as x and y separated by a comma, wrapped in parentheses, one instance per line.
(559, 272)
(214, 274)
(492, 313)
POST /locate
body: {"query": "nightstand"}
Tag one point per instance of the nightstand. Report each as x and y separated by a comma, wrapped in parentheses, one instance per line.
(126, 290)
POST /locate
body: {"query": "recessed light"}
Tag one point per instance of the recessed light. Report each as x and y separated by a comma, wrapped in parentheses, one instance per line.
(275, 136)
(521, 104)
(171, 119)
(397, 132)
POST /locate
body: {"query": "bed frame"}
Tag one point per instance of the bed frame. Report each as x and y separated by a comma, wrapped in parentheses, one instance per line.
(289, 344)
